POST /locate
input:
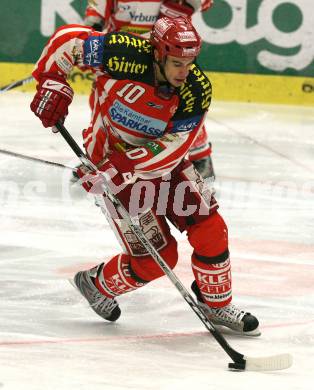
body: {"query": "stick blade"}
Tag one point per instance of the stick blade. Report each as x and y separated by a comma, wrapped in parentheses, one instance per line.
(268, 363)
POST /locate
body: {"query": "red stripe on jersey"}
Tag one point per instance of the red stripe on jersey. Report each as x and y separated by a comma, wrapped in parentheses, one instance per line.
(59, 38)
(96, 138)
(175, 156)
(199, 155)
(92, 12)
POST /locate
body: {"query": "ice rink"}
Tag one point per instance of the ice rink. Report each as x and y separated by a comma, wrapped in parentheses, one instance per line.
(51, 340)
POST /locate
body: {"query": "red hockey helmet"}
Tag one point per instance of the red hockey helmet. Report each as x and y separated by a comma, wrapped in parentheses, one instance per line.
(176, 37)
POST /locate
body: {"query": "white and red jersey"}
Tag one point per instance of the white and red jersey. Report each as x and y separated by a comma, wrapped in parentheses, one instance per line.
(137, 16)
(154, 125)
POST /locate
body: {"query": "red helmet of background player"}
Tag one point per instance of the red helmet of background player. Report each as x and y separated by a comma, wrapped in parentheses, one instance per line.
(176, 37)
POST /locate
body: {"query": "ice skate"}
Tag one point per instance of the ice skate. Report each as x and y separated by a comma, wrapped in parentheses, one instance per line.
(105, 307)
(229, 316)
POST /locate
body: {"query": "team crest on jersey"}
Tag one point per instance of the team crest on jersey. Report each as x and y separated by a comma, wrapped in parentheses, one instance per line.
(93, 51)
(186, 124)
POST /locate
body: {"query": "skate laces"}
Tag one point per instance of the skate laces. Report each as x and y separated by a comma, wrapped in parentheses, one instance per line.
(228, 313)
(103, 303)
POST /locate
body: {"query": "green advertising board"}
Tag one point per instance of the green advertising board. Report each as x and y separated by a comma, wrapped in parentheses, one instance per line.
(26, 25)
(259, 36)
(255, 37)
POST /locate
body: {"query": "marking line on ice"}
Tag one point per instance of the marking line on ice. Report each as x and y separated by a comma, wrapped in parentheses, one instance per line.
(134, 338)
(109, 338)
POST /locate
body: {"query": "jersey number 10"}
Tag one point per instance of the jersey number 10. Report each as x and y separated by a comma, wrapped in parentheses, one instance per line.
(130, 92)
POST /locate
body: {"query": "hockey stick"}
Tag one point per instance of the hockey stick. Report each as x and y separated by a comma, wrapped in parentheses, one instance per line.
(24, 157)
(16, 84)
(240, 362)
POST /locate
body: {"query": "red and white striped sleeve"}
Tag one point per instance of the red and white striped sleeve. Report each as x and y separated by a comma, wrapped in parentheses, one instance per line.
(96, 138)
(201, 147)
(63, 50)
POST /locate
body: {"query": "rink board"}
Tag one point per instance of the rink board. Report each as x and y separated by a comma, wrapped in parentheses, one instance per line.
(226, 86)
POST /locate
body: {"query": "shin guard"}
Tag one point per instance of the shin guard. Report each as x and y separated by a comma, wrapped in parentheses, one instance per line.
(213, 281)
(116, 278)
(210, 260)
(125, 273)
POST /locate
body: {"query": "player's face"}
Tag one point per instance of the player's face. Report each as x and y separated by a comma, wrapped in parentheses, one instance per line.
(177, 69)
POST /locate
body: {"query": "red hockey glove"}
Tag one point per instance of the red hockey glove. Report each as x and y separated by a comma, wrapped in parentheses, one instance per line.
(52, 99)
(89, 180)
(173, 9)
(116, 177)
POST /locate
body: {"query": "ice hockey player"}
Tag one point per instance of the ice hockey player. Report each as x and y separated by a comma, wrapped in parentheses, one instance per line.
(151, 101)
(139, 17)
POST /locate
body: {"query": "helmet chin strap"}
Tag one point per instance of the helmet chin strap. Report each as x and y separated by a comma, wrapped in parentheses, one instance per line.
(161, 67)
(164, 87)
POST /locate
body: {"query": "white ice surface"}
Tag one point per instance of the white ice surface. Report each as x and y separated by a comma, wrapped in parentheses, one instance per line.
(50, 339)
